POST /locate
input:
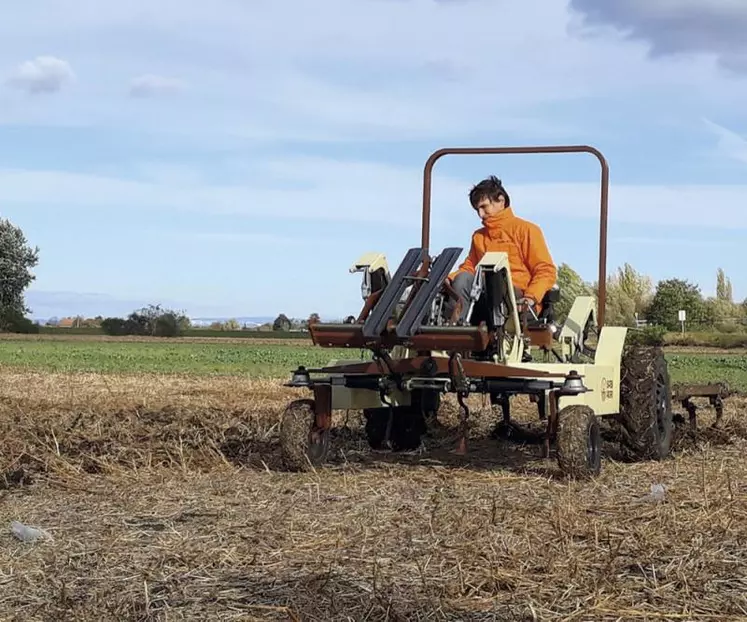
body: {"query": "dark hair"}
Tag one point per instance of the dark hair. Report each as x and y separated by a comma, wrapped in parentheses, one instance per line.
(492, 188)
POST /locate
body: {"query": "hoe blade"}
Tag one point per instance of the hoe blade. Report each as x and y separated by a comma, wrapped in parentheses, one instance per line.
(413, 315)
(376, 322)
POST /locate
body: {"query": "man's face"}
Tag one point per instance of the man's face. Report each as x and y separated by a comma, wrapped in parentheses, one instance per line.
(487, 208)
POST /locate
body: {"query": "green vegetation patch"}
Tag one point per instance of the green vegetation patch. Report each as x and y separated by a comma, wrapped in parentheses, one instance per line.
(706, 368)
(257, 360)
(269, 360)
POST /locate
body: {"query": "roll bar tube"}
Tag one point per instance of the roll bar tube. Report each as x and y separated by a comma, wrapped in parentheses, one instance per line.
(604, 197)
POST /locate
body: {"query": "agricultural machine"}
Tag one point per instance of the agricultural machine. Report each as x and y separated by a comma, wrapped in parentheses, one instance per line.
(575, 371)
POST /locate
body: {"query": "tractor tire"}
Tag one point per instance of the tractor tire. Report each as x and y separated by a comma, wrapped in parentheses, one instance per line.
(646, 421)
(408, 427)
(302, 445)
(579, 442)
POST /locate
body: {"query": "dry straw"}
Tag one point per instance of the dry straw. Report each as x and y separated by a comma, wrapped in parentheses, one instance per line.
(164, 502)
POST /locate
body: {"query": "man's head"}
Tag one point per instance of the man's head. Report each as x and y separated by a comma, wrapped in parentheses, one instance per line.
(489, 197)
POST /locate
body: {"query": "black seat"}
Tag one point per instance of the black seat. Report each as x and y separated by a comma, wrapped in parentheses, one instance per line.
(547, 308)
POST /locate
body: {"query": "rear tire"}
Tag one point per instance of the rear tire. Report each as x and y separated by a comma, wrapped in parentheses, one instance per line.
(579, 442)
(645, 404)
(303, 445)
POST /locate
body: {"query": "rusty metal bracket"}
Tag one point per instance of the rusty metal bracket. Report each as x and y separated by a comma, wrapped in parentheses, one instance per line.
(461, 386)
(715, 393)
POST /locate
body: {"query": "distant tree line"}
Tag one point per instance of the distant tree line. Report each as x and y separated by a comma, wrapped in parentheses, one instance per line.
(632, 297)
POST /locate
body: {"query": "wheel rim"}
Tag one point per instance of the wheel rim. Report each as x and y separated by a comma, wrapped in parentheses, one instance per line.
(592, 447)
(662, 401)
(318, 443)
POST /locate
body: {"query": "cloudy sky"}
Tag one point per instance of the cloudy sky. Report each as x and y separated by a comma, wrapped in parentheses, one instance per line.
(234, 158)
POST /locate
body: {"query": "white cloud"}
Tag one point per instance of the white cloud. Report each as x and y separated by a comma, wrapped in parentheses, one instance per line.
(222, 237)
(44, 74)
(169, 174)
(714, 27)
(330, 190)
(296, 187)
(411, 73)
(150, 85)
(669, 241)
(730, 144)
(377, 71)
(639, 204)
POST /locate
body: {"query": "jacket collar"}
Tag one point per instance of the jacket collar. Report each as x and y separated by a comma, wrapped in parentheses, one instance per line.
(494, 224)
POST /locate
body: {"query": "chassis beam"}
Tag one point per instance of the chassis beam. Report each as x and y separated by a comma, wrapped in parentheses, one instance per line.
(438, 365)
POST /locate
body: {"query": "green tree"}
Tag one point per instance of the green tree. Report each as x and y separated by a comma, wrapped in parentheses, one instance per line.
(723, 287)
(151, 320)
(17, 259)
(282, 323)
(672, 295)
(636, 287)
(726, 314)
(620, 308)
(160, 322)
(628, 293)
(721, 311)
(232, 324)
(571, 286)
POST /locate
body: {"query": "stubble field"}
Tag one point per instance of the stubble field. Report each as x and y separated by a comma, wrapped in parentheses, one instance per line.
(164, 499)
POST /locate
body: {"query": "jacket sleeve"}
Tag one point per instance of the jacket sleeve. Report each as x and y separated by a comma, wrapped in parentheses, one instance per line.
(539, 261)
(470, 263)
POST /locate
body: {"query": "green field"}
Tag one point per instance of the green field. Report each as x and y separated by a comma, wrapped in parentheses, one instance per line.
(736, 340)
(264, 360)
(190, 332)
(257, 360)
(729, 368)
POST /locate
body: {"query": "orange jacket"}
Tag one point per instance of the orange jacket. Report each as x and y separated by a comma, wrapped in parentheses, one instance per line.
(532, 268)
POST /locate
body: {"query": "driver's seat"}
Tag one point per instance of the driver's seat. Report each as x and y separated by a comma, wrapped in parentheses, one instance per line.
(547, 308)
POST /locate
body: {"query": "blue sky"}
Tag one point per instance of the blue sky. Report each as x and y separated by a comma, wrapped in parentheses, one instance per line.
(235, 158)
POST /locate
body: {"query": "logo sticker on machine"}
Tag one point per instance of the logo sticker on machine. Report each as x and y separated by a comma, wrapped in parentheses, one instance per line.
(607, 389)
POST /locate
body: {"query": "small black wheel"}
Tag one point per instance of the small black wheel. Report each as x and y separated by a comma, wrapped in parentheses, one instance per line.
(303, 445)
(376, 422)
(428, 402)
(579, 442)
(408, 427)
(645, 417)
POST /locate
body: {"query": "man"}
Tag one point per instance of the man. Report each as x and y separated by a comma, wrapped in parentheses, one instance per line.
(532, 268)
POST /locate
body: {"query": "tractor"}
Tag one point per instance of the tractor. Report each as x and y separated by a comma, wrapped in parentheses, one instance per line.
(576, 371)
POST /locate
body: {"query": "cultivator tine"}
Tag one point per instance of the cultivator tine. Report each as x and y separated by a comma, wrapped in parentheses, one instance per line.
(416, 310)
(377, 320)
(718, 405)
(461, 448)
(715, 393)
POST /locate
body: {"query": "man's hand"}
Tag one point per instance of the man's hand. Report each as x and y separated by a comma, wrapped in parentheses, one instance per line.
(525, 303)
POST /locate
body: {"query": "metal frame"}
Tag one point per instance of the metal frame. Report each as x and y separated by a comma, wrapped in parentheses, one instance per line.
(603, 199)
(376, 330)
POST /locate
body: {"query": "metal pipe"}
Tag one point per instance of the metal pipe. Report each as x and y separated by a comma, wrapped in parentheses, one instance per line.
(451, 330)
(518, 386)
(604, 197)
